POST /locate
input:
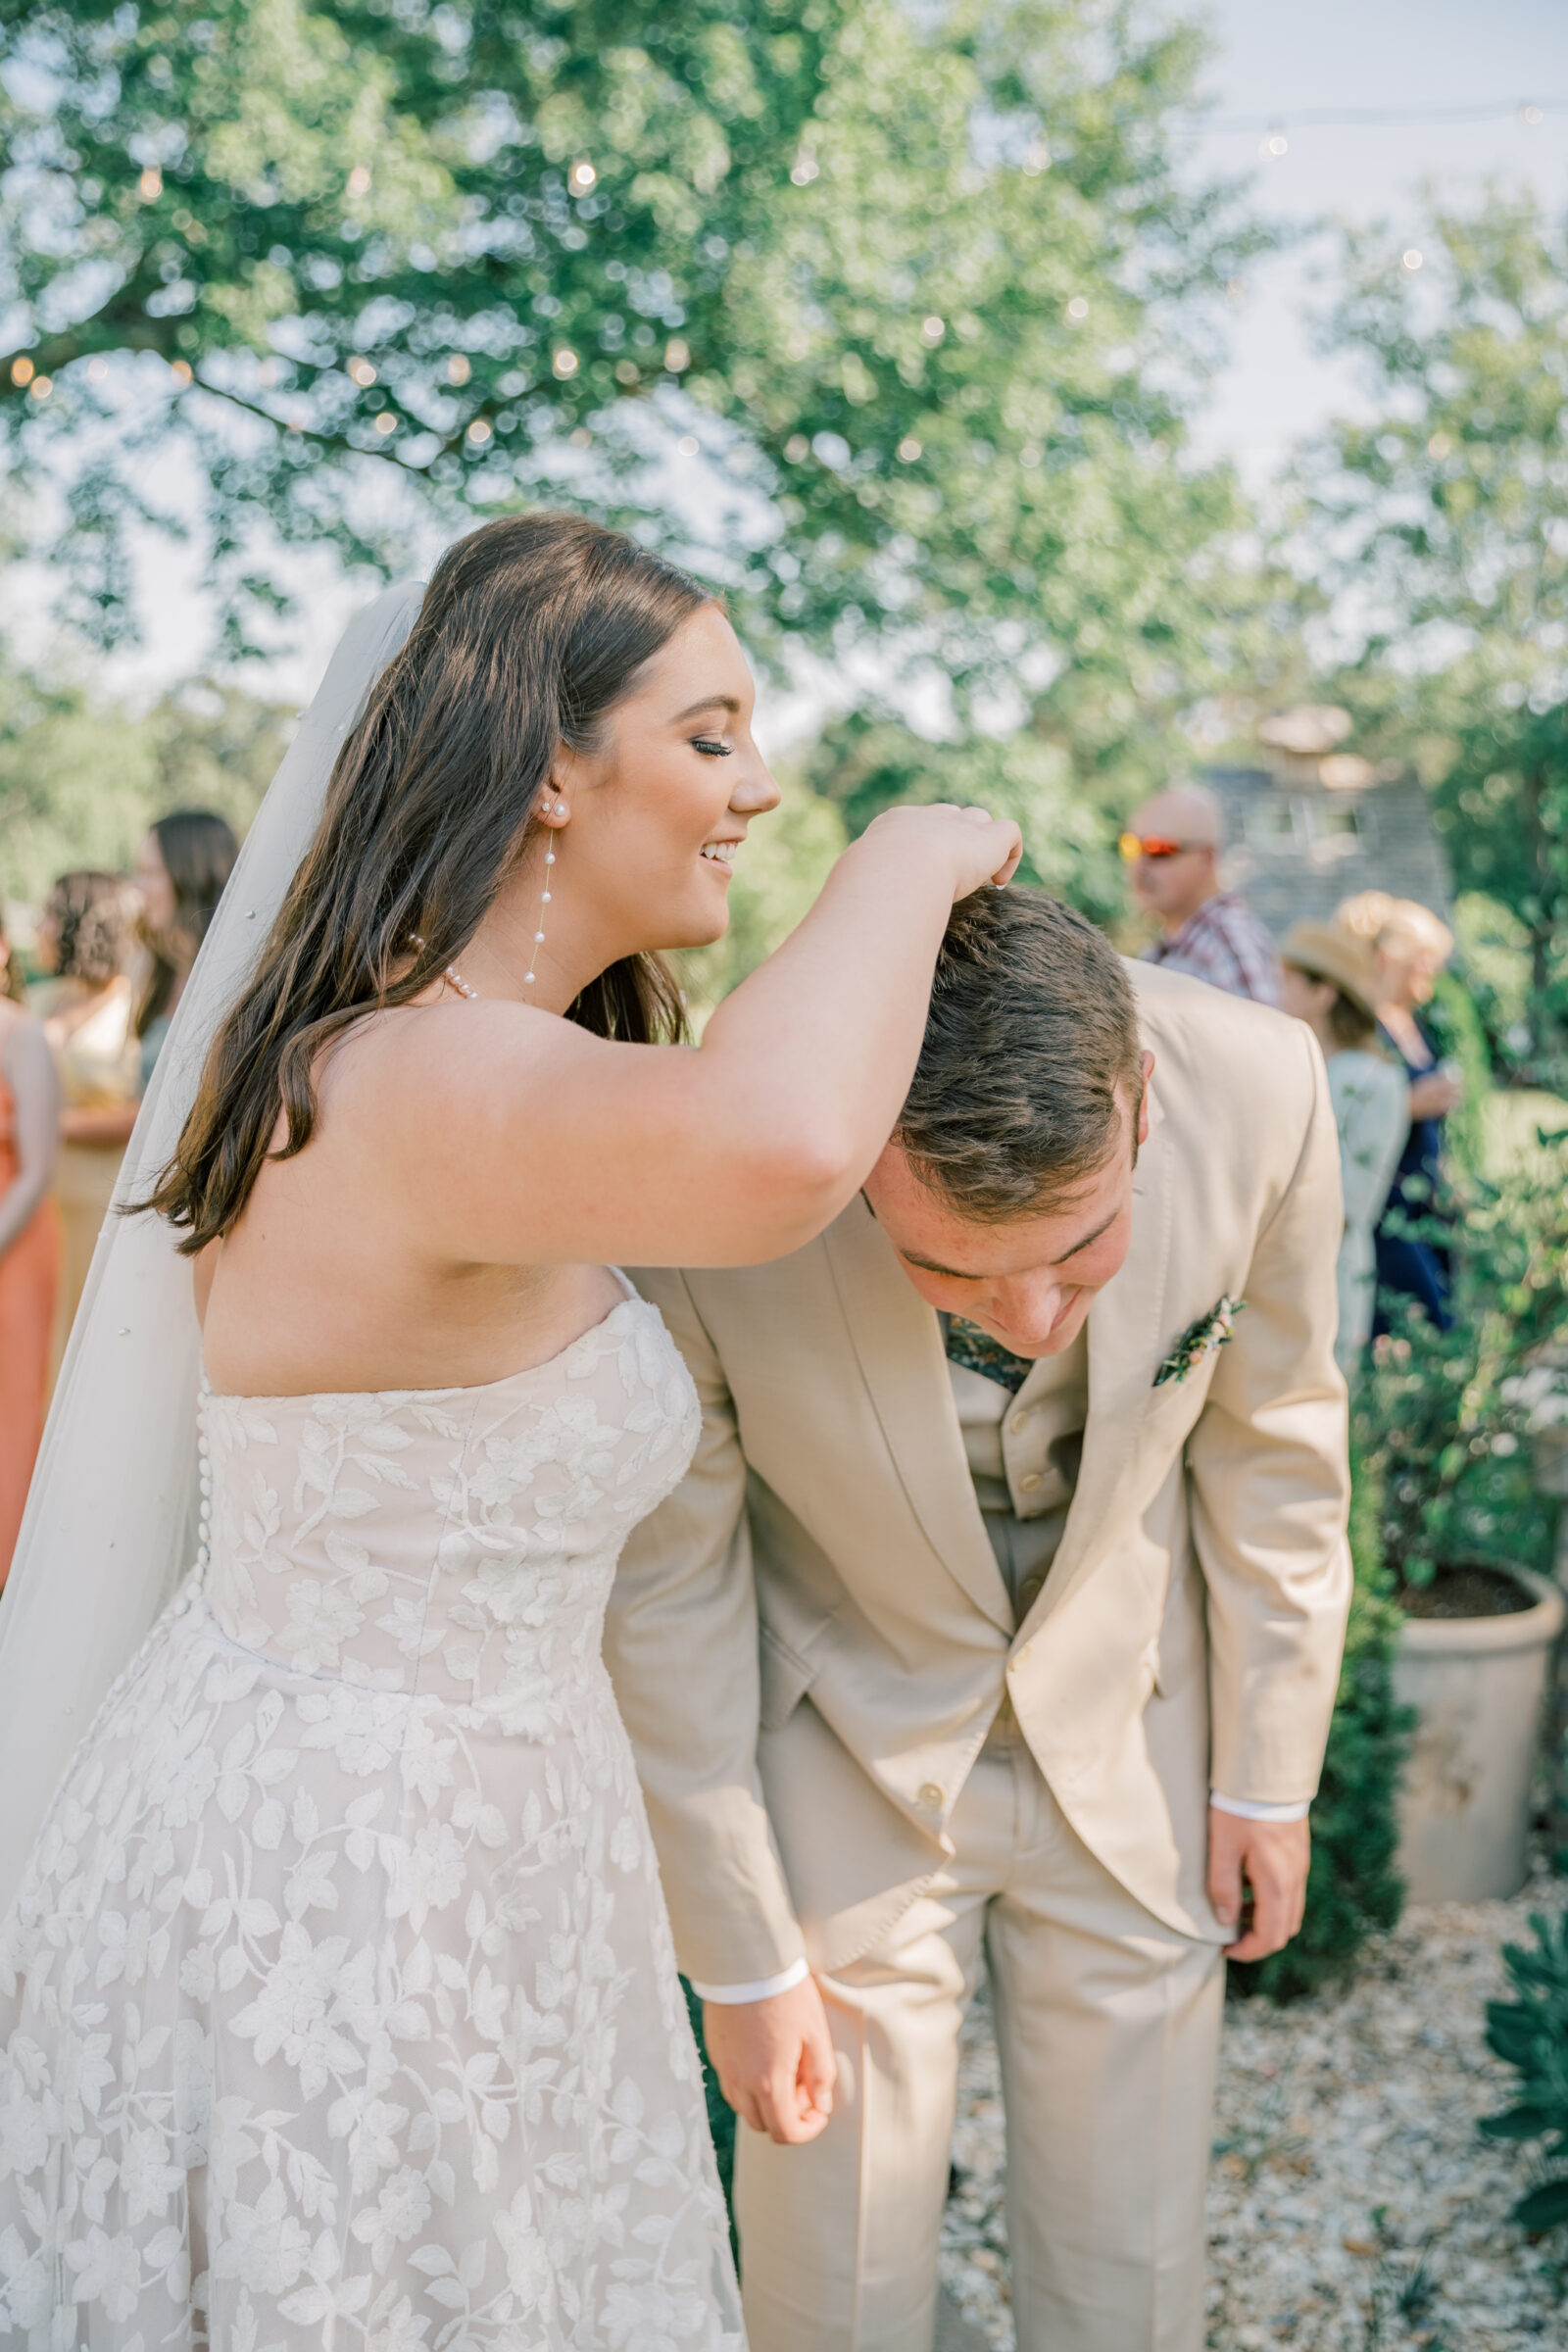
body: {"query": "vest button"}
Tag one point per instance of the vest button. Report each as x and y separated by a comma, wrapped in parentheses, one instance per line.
(1029, 1483)
(1020, 1422)
(929, 1799)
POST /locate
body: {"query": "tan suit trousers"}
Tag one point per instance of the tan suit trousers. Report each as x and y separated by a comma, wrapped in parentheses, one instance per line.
(1108, 2024)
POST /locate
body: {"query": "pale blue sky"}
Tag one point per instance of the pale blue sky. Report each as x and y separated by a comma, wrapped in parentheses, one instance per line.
(1386, 54)
(1271, 62)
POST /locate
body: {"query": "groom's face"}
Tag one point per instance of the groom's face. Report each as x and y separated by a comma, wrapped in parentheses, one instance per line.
(1029, 1280)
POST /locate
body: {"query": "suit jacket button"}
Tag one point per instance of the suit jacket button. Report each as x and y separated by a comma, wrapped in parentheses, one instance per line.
(929, 1799)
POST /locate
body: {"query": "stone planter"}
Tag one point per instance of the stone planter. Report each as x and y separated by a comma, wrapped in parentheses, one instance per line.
(1478, 1687)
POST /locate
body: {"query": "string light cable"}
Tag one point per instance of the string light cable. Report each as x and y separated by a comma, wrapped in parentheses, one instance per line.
(1530, 112)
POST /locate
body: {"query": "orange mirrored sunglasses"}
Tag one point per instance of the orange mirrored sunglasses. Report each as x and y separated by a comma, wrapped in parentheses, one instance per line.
(1134, 845)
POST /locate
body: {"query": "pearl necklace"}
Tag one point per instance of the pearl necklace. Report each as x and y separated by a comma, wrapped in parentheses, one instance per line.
(450, 972)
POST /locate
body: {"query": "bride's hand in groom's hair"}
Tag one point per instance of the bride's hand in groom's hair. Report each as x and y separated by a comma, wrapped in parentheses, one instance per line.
(774, 2061)
(982, 848)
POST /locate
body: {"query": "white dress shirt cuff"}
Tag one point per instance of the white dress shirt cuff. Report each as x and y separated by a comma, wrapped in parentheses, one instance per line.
(731, 1995)
(1246, 1810)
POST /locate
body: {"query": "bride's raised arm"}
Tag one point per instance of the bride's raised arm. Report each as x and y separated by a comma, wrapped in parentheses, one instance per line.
(577, 1148)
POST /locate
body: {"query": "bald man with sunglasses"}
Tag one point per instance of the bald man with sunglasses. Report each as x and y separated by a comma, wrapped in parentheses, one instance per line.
(1172, 846)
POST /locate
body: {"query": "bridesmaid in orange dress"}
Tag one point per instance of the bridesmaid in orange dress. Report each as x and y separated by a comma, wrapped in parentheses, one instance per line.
(29, 1246)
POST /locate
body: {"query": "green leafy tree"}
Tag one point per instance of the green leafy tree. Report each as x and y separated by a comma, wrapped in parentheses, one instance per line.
(868, 761)
(1447, 515)
(924, 284)
(80, 780)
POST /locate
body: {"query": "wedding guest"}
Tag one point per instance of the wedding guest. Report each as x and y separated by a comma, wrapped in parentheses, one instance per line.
(1410, 946)
(30, 1241)
(85, 941)
(1330, 984)
(1172, 846)
(182, 867)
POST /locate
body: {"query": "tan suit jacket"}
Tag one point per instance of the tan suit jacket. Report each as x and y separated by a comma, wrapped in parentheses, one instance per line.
(811, 1639)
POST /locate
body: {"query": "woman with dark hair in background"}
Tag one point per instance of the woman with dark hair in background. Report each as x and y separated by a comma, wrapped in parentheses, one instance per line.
(30, 1241)
(348, 1906)
(181, 867)
(85, 941)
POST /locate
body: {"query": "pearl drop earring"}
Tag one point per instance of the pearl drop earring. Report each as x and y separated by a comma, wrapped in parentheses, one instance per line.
(555, 809)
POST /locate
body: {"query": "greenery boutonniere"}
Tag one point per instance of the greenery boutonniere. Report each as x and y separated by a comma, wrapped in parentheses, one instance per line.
(1209, 1331)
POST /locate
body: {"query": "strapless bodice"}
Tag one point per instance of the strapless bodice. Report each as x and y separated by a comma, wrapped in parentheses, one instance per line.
(454, 1543)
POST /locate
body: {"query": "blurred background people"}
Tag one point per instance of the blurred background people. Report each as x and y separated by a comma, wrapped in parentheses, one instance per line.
(1172, 847)
(1330, 982)
(86, 942)
(181, 867)
(30, 1241)
(1410, 946)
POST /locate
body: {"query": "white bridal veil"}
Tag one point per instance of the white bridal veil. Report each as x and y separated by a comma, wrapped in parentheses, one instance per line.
(111, 1520)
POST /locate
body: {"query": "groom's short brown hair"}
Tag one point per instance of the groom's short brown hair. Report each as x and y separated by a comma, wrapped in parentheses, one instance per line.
(1030, 1075)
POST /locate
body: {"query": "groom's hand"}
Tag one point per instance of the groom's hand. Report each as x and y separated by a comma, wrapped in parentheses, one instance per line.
(1257, 1880)
(774, 2061)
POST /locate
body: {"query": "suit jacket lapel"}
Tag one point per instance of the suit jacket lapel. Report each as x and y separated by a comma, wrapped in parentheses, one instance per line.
(1124, 1328)
(897, 1345)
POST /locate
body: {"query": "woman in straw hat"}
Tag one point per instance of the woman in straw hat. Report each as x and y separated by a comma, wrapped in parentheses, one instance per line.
(1410, 946)
(1330, 984)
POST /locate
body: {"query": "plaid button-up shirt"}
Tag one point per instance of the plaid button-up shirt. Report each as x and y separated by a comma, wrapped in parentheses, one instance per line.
(1226, 945)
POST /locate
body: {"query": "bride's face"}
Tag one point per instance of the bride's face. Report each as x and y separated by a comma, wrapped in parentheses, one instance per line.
(658, 811)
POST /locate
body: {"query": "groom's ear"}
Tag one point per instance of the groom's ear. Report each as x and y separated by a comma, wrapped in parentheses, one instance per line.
(1143, 1103)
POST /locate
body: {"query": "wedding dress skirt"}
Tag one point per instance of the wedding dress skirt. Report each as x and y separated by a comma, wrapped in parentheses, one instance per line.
(338, 2006)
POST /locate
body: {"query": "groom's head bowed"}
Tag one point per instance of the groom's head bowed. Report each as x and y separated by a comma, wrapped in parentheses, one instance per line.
(1006, 1189)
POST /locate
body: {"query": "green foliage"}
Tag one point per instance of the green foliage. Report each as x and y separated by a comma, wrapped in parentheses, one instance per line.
(1353, 1889)
(1445, 512)
(1459, 1034)
(931, 287)
(1494, 955)
(1530, 2033)
(1445, 1416)
(863, 763)
(81, 781)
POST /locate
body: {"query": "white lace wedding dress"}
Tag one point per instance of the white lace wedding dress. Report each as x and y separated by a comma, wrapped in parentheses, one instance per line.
(338, 2007)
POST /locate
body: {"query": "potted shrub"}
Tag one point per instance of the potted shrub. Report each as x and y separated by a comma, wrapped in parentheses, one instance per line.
(1445, 1422)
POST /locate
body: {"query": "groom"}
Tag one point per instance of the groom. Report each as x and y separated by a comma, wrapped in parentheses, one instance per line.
(997, 1627)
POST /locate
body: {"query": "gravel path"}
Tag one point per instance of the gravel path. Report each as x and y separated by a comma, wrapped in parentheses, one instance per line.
(1353, 2207)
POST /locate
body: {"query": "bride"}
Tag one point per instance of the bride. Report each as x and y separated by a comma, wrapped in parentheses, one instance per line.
(337, 2002)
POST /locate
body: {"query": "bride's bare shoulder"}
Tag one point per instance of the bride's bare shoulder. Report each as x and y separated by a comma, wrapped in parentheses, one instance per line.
(407, 1042)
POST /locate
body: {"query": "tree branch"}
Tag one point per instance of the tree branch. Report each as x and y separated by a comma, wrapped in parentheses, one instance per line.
(121, 324)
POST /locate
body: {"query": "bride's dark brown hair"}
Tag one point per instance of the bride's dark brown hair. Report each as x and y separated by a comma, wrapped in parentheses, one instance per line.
(531, 630)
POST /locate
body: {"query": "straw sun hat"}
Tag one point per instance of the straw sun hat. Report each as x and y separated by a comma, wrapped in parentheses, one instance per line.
(1326, 953)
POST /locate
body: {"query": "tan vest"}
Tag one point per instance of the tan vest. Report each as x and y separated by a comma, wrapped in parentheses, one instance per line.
(1023, 1451)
